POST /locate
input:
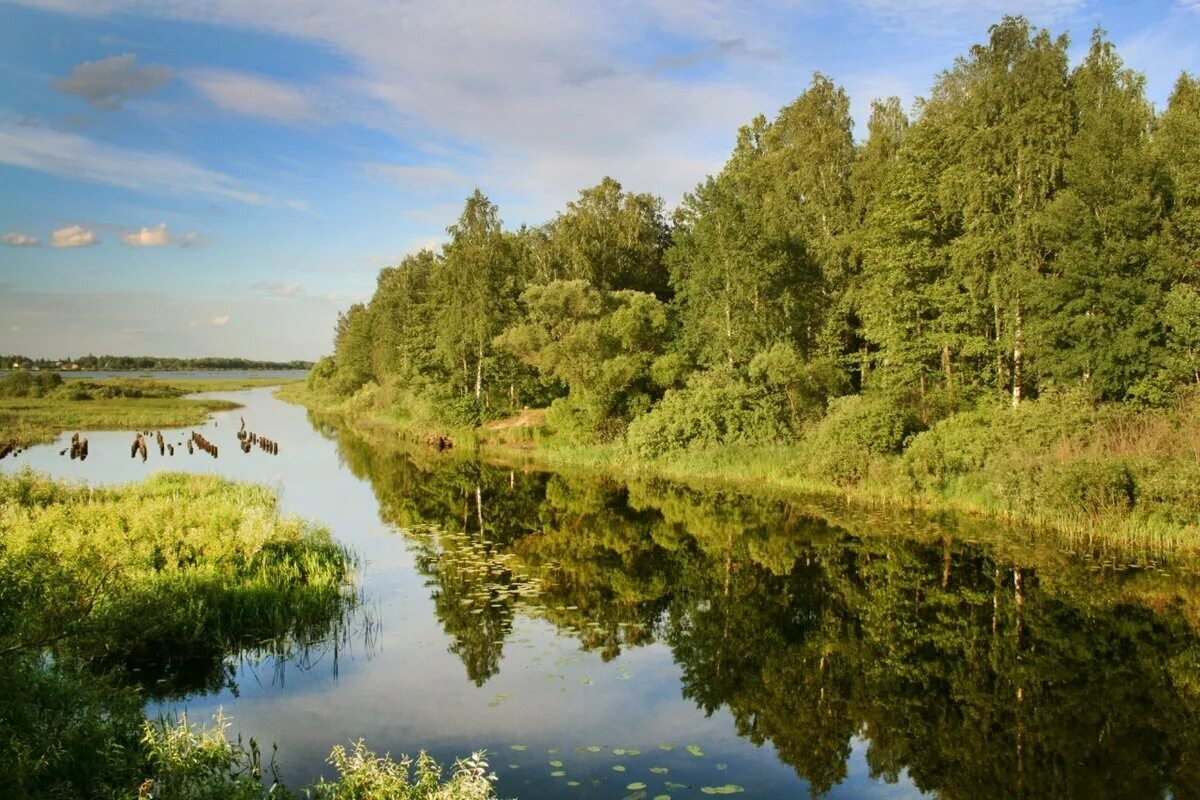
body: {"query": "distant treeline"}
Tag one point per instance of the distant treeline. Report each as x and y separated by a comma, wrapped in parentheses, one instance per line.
(1031, 227)
(154, 363)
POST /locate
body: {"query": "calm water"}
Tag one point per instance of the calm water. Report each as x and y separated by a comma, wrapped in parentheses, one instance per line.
(696, 640)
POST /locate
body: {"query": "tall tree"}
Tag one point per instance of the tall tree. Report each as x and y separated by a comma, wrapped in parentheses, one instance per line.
(1010, 121)
(476, 290)
(613, 239)
(1097, 319)
(741, 283)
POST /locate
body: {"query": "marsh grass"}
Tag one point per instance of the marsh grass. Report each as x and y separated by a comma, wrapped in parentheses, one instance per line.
(115, 404)
(110, 596)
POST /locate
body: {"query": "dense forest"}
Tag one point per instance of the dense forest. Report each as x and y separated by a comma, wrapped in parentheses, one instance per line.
(118, 363)
(1031, 229)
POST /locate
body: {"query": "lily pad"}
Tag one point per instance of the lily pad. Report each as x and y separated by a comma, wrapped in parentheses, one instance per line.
(593, 748)
(618, 768)
(729, 788)
(665, 746)
(572, 783)
(695, 750)
(635, 786)
(619, 751)
(659, 770)
(519, 747)
(556, 764)
(558, 773)
(662, 797)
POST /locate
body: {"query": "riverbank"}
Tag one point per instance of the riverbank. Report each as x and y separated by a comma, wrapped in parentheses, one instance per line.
(1090, 476)
(36, 409)
(118, 595)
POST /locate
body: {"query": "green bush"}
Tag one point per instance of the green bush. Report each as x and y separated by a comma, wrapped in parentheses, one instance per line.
(463, 411)
(993, 434)
(857, 429)
(21, 383)
(714, 409)
(1090, 488)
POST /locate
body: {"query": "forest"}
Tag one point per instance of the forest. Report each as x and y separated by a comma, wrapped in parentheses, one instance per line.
(158, 363)
(1027, 235)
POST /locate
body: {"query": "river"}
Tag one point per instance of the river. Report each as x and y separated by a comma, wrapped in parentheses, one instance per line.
(610, 640)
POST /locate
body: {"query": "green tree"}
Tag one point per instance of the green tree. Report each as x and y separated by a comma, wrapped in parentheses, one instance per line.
(1097, 318)
(612, 239)
(475, 293)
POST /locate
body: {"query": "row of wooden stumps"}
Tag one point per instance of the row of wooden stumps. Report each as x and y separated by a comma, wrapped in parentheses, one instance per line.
(249, 440)
(78, 448)
(203, 444)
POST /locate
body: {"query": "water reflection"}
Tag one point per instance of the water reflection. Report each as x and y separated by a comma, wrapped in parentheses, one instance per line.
(973, 669)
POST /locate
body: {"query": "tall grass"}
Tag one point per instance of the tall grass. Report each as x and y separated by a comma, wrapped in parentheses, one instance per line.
(1095, 477)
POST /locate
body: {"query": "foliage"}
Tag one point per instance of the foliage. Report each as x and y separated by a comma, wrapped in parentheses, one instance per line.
(20, 383)
(711, 411)
(601, 345)
(363, 775)
(857, 429)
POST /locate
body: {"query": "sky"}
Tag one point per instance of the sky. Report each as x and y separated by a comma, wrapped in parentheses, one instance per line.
(222, 177)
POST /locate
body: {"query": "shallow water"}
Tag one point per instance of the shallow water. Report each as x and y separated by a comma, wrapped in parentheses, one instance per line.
(695, 639)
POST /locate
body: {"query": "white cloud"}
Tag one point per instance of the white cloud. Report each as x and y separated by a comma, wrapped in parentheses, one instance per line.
(74, 236)
(148, 237)
(254, 95)
(106, 84)
(19, 240)
(220, 321)
(485, 80)
(71, 156)
(1190, 5)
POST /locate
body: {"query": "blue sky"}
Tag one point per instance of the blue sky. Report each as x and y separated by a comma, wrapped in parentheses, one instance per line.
(221, 177)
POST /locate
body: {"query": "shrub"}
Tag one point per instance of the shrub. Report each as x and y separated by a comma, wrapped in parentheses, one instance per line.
(1091, 488)
(714, 409)
(857, 429)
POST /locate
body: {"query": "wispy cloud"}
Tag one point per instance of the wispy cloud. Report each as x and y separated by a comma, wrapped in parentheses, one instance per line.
(108, 83)
(19, 240)
(279, 288)
(940, 17)
(74, 236)
(71, 156)
(419, 176)
(254, 95)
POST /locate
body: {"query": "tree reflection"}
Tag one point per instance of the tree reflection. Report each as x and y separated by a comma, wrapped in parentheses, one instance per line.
(976, 672)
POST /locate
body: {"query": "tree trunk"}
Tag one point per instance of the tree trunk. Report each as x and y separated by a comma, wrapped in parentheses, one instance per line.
(479, 374)
(1016, 372)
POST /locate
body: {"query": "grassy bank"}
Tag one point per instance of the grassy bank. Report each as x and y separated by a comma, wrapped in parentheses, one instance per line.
(110, 596)
(1094, 475)
(37, 408)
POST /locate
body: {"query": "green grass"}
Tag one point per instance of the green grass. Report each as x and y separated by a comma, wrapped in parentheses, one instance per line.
(110, 596)
(115, 404)
(1095, 478)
